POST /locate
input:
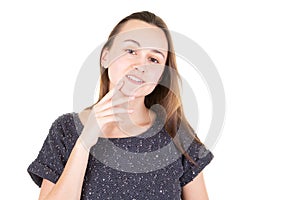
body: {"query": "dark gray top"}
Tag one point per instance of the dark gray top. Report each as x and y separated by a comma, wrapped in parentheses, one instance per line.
(147, 166)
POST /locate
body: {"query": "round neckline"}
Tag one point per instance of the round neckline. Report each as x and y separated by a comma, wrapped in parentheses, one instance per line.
(155, 128)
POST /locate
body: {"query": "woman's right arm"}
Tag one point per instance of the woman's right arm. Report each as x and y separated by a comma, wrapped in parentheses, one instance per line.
(70, 182)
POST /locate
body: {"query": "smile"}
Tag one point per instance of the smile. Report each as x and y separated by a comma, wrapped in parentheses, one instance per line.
(134, 79)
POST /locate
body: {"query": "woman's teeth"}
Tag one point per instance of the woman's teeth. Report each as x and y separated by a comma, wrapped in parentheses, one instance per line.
(135, 79)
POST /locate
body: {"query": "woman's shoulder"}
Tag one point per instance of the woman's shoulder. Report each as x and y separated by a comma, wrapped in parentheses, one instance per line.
(67, 118)
(66, 125)
(64, 119)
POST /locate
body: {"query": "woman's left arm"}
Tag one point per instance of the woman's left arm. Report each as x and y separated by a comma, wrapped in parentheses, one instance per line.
(195, 190)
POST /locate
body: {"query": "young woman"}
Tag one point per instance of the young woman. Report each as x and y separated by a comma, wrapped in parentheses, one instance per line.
(115, 148)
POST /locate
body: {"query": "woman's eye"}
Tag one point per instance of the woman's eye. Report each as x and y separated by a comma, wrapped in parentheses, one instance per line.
(130, 51)
(154, 60)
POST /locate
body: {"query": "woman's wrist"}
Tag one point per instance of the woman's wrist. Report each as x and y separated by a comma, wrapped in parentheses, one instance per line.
(83, 144)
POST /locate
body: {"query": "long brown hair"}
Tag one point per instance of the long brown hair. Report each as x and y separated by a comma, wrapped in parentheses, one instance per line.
(166, 94)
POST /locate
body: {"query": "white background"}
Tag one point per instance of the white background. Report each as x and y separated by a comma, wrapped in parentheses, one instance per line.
(255, 46)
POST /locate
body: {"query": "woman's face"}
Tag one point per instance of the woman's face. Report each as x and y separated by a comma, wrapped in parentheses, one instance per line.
(137, 56)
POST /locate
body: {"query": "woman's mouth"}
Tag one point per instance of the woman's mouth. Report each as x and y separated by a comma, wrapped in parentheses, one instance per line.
(135, 79)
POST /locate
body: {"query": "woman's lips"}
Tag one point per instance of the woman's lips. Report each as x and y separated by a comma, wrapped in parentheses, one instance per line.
(134, 79)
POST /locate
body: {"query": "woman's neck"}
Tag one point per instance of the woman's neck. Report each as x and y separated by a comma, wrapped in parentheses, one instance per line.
(140, 114)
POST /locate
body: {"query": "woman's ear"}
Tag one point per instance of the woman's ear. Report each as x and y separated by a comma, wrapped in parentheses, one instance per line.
(104, 58)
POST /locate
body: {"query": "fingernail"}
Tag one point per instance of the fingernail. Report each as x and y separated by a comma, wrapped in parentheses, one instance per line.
(132, 97)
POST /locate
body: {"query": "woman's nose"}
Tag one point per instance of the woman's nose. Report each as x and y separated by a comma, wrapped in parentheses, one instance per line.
(140, 67)
(141, 62)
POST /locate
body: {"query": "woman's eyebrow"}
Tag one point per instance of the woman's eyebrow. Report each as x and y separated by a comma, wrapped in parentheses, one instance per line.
(130, 40)
(138, 44)
(156, 51)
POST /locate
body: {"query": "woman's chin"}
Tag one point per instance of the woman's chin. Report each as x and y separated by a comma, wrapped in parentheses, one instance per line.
(140, 91)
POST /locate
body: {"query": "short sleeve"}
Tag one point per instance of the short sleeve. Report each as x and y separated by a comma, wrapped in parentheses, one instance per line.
(201, 155)
(51, 159)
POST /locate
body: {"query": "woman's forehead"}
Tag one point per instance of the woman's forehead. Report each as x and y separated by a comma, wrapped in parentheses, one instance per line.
(141, 34)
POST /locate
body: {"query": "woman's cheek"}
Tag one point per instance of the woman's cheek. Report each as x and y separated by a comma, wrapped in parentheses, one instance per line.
(114, 75)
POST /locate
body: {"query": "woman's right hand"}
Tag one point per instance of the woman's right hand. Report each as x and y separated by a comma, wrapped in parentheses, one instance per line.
(102, 113)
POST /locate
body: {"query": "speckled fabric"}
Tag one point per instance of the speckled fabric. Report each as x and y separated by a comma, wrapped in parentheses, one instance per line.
(147, 166)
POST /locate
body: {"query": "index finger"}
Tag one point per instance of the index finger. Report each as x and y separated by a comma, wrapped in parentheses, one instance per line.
(112, 92)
